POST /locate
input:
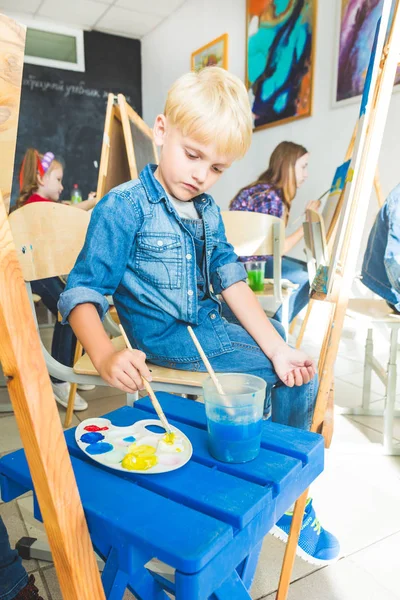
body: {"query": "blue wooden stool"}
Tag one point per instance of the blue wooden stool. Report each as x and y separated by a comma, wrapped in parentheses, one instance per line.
(206, 520)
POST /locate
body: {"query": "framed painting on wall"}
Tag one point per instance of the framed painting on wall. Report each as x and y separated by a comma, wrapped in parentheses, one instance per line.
(213, 54)
(280, 59)
(357, 21)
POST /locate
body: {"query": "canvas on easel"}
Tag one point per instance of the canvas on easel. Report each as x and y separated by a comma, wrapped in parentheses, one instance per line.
(127, 148)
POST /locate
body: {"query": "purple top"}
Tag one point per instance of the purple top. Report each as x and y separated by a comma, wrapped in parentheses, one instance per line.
(262, 198)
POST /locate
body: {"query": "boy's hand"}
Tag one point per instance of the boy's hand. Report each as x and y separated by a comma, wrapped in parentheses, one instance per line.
(124, 370)
(293, 367)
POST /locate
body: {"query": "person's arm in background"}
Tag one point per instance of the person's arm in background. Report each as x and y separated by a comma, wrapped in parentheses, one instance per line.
(85, 204)
(292, 239)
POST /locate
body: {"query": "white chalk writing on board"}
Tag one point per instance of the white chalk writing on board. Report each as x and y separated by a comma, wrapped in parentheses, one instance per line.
(65, 89)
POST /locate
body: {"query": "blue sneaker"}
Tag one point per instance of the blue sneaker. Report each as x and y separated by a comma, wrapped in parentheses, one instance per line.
(316, 545)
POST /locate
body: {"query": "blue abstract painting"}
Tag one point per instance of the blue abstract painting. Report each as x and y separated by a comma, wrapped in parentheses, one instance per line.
(280, 39)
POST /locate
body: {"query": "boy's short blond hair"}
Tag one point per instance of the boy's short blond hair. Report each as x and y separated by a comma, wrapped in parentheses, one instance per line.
(212, 105)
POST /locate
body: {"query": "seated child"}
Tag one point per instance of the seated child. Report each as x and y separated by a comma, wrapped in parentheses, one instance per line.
(158, 245)
(381, 265)
(40, 180)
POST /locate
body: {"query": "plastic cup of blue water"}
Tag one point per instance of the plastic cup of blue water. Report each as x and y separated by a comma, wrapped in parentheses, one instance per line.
(234, 420)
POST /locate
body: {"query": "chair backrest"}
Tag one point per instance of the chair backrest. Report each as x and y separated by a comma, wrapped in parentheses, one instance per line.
(253, 233)
(48, 237)
(315, 242)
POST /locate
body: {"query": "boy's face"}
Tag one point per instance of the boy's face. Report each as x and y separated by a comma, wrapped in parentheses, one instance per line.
(187, 168)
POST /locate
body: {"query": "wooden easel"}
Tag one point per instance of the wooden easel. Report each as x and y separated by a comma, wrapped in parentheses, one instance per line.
(30, 390)
(12, 46)
(347, 248)
(128, 145)
(330, 234)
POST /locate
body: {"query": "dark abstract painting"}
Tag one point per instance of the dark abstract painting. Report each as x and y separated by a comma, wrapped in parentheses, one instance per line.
(358, 19)
(280, 40)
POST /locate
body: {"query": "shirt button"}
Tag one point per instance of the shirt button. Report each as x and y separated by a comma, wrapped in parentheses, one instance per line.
(160, 243)
(212, 316)
(188, 256)
(190, 293)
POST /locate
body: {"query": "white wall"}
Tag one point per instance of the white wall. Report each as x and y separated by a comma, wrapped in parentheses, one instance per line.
(166, 55)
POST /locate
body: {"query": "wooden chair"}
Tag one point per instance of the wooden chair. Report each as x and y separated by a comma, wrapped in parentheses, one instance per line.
(373, 312)
(257, 234)
(49, 238)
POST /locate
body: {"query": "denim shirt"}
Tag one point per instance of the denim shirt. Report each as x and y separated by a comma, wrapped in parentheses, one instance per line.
(381, 265)
(139, 250)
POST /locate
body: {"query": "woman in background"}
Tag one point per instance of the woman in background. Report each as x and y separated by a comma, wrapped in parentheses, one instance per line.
(272, 194)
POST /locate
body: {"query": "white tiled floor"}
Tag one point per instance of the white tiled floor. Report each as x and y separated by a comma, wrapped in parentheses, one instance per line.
(357, 497)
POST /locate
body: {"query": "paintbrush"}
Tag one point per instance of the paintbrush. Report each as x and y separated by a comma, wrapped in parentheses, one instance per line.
(153, 398)
(303, 214)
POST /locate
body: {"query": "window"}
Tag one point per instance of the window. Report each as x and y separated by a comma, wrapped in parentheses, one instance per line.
(54, 46)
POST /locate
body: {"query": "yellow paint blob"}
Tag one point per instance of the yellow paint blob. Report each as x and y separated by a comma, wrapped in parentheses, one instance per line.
(140, 458)
(169, 438)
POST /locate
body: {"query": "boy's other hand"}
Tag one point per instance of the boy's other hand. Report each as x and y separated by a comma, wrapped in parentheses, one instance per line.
(124, 370)
(293, 367)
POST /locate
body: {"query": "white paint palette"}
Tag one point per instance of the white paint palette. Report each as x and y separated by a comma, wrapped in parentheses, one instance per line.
(138, 448)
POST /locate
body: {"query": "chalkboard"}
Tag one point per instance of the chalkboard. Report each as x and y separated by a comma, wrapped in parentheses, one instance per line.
(63, 111)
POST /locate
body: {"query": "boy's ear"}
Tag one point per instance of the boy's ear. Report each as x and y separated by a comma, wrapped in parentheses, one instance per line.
(159, 130)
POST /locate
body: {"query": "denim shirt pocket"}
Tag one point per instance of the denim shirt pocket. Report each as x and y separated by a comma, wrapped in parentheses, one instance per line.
(158, 259)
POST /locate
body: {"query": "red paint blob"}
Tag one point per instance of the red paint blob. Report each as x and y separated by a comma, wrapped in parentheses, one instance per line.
(95, 428)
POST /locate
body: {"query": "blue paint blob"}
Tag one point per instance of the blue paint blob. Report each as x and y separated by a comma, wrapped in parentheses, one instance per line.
(99, 448)
(130, 438)
(155, 429)
(92, 437)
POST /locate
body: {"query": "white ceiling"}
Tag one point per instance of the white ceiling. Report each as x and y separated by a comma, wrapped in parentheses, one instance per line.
(129, 18)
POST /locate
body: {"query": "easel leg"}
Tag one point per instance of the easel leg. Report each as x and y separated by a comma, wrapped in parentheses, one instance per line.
(304, 324)
(293, 325)
(290, 552)
(327, 426)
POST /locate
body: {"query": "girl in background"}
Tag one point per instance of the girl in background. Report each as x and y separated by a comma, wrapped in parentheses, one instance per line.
(272, 194)
(41, 181)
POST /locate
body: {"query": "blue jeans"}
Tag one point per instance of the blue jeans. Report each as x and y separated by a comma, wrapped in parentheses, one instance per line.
(296, 271)
(290, 406)
(13, 577)
(64, 340)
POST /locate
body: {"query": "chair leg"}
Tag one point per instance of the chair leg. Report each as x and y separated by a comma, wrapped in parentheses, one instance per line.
(390, 394)
(72, 391)
(285, 316)
(369, 352)
(132, 398)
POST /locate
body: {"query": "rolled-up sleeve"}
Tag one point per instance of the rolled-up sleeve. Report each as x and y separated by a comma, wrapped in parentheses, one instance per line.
(102, 261)
(225, 268)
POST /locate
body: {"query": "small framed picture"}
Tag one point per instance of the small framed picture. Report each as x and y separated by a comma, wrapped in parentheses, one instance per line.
(214, 54)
